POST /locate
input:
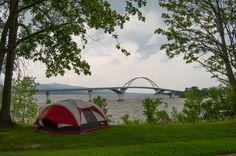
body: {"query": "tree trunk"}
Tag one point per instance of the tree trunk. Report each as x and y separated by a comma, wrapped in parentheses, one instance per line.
(3, 43)
(226, 56)
(2, 54)
(5, 118)
(231, 76)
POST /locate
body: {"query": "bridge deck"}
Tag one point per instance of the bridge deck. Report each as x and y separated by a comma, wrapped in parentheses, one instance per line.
(113, 88)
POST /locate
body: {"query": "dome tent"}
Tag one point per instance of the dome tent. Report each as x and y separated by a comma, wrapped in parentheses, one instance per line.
(71, 116)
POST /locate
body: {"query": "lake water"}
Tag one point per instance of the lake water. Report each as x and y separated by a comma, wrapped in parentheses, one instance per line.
(131, 105)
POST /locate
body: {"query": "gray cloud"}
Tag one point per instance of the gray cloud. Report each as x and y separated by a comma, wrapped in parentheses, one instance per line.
(134, 31)
(143, 33)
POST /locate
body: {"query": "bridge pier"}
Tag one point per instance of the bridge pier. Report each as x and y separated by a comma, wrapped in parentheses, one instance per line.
(90, 95)
(120, 97)
(48, 101)
(172, 95)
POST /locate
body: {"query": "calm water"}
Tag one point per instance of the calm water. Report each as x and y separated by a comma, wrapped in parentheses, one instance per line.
(131, 105)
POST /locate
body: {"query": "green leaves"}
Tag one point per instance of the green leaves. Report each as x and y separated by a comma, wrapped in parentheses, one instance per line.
(101, 102)
(49, 26)
(24, 105)
(202, 31)
(131, 9)
(150, 109)
(215, 103)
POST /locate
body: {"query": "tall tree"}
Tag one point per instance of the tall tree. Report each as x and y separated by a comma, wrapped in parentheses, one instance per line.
(203, 31)
(42, 30)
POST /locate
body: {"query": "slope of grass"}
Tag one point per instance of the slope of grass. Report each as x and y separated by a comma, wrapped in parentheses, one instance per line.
(171, 139)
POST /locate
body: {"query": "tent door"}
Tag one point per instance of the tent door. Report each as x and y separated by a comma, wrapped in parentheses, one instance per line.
(89, 116)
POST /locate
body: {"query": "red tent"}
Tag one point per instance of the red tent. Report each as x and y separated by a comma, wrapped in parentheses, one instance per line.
(71, 116)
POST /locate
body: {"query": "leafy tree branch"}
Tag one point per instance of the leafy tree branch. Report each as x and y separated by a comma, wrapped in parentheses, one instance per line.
(204, 32)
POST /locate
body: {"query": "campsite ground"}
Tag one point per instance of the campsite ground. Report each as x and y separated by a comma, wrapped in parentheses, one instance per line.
(209, 138)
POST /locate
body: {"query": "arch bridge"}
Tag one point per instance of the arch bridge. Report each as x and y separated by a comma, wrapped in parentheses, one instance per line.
(120, 91)
(128, 85)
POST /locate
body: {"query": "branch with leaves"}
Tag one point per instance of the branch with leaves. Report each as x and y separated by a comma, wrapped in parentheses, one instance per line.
(204, 31)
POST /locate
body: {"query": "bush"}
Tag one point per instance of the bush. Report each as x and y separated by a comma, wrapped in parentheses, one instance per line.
(126, 120)
(24, 106)
(101, 102)
(218, 103)
(150, 109)
(192, 107)
(212, 106)
(228, 108)
(162, 117)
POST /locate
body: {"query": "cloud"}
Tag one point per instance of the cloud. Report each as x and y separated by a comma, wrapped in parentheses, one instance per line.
(143, 33)
(136, 31)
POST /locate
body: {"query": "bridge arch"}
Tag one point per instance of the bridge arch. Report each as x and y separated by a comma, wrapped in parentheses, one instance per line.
(127, 84)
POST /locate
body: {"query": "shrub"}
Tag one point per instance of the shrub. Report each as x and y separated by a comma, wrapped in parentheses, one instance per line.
(228, 102)
(212, 106)
(218, 103)
(192, 107)
(162, 117)
(126, 120)
(177, 117)
(24, 106)
(150, 109)
(101, 102)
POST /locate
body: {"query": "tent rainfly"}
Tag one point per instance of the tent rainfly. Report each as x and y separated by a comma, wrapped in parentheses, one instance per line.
(71, 116)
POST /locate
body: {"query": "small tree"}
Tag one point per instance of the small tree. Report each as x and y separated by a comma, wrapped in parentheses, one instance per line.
(213, 105)
(192, 106)
(150, 109)
(101, 102)
(24, 105)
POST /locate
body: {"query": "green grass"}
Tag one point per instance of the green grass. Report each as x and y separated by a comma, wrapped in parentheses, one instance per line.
(211, 138)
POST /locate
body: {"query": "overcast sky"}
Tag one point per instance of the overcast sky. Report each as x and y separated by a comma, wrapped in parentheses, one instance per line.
(111, 68)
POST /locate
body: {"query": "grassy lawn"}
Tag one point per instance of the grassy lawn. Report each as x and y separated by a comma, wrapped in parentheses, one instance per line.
(211, 138)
